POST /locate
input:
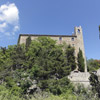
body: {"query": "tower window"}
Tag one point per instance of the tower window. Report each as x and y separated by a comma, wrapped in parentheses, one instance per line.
(72, 39)
(78, 30)
(60, 38)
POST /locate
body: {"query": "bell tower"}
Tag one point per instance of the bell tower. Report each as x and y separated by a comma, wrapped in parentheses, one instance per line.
(80, 44)
(78, 30)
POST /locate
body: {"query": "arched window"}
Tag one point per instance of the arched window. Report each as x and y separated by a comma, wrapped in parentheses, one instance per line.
(78, 30)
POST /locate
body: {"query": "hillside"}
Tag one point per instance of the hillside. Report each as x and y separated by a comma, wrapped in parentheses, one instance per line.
(39, 71)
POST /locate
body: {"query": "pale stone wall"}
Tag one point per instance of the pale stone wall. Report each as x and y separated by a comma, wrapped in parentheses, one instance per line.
(66, 39)
(80, 78)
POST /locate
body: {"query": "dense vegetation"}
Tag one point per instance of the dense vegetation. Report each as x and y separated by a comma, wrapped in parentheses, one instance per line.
(40, 65)
(95, 83)
(38, 71)
(93, 65)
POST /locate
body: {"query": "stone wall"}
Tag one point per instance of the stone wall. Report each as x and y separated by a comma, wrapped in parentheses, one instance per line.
(80, 78)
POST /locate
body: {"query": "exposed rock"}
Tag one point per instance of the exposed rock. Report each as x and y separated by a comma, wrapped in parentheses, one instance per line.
(78, 77)
(33, 88)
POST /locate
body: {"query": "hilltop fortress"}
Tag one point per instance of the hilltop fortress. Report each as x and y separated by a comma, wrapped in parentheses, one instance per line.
(76, 41)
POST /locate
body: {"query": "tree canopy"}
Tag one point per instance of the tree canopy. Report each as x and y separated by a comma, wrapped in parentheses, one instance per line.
(40, 60)
(41, 65)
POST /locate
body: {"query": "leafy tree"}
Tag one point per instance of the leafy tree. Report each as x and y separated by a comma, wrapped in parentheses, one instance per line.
(6, 94)
(49, 59)
(93, 65)
(43, 60)
(95, 84)
(18, 56)
(80, 61)
(5, 62)
(59, 86)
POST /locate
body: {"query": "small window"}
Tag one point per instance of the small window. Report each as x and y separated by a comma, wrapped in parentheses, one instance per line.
(73, 45)
(72, 39)
(60, 38)
(78, 31)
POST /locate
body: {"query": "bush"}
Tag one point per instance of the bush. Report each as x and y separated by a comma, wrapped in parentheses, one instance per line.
(6, 94)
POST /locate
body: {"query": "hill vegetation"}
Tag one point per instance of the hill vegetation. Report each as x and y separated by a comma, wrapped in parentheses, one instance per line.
(93, 65)
(38, 71)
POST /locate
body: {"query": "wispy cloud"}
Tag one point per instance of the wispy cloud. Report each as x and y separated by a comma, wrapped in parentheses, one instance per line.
(9, 19)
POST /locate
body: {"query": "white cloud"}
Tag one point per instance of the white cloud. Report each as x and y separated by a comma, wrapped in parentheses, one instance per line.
(16, 28)
(2, 27)
(9, 18)
(7, 33)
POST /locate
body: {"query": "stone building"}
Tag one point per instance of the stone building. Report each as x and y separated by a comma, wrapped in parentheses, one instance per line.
(75, 40)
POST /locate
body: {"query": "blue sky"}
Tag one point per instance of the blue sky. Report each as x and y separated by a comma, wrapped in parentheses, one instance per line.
(51, 17)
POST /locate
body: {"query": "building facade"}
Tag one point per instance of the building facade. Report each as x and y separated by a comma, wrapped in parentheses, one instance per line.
(75, 40)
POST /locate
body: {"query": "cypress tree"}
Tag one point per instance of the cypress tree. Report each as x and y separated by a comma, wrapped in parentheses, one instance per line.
(80, 61)
(28, 42)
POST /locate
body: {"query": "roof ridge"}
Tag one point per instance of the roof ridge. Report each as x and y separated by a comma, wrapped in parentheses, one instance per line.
(48, 35)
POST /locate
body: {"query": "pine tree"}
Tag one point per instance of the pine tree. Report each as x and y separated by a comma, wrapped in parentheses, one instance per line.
(80, 61)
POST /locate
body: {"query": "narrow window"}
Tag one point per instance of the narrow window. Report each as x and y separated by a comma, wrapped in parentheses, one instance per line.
(60, 38)
(72, 39)
(78, 30)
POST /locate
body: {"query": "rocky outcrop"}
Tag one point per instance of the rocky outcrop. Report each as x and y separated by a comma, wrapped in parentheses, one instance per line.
(77, 77)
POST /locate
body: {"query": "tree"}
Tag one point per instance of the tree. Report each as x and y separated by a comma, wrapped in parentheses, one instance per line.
(28, 42)
(80, 61)
(44, 61)
(18, 56)
(93, 64)
(95, 83)
(49, 63)
(70, 57)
